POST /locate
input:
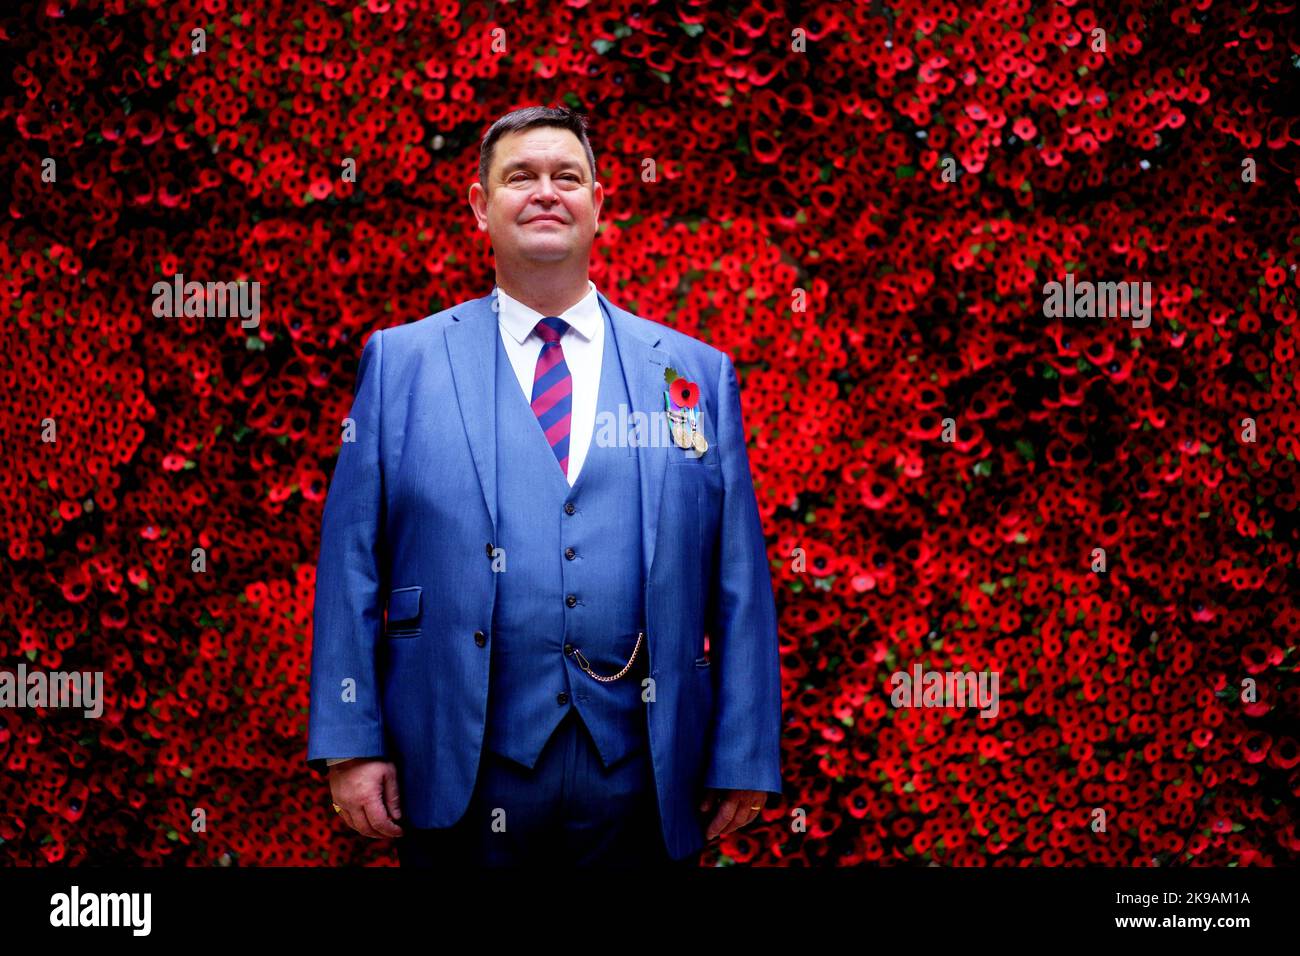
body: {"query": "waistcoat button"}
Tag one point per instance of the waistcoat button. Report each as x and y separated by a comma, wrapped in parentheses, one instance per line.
(568, 508)
(480, 638)
(571, 600)
(570, 553)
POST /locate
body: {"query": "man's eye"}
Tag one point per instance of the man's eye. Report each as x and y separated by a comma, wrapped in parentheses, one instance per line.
(574, 176)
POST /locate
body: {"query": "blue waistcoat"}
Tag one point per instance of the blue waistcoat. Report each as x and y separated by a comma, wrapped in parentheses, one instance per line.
(550, 559)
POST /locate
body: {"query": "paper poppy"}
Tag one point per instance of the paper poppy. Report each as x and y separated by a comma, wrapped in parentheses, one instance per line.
(684, 394)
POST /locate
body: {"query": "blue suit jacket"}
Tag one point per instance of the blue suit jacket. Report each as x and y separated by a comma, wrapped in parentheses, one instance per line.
(419, 524)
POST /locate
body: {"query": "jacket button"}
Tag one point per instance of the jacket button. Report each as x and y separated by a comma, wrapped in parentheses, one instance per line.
(561, 698)
(570, 553)
(571, 600)
(568, 649)
(480, 638)
(489, 549)
(568, 508)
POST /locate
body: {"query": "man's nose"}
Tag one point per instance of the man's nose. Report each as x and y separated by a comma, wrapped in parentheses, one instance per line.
(546, 190)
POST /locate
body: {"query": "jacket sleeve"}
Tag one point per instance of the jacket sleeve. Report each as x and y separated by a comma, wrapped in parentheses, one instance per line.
(745, 752)
(345, 717)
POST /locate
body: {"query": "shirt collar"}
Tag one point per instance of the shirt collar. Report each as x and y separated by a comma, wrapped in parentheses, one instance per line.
(520, 320)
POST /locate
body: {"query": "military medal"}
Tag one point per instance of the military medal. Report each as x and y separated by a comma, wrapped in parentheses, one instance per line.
(684, 395)
(698, 441)
(677, 426)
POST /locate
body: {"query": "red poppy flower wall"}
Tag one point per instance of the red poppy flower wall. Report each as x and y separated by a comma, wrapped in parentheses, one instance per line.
(1011, 288)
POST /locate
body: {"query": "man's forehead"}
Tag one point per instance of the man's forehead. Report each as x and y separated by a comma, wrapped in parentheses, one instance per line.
(563, 146)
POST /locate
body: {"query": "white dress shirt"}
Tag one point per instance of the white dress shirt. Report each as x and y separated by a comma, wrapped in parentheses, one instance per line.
(584, 348)
(583, 344)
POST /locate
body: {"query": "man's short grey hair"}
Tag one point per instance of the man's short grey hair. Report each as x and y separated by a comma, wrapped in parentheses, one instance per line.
(526, 118)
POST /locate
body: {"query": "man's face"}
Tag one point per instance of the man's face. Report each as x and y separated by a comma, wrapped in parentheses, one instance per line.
(540, 172)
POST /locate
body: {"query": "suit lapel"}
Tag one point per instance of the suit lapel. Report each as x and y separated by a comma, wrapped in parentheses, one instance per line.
(643, 367)
(471, 350)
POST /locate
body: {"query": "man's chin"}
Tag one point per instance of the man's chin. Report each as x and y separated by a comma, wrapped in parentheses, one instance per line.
(543, 252)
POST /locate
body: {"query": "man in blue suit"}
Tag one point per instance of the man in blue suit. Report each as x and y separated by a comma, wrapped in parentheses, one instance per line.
(538, 689)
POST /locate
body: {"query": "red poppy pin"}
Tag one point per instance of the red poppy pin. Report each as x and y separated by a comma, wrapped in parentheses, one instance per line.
(686, 419)
(683, 392)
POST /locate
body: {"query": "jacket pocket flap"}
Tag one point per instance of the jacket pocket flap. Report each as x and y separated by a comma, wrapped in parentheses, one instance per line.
(404, 606)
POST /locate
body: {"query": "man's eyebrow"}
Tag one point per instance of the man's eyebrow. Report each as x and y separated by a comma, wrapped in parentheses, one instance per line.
(518, 164)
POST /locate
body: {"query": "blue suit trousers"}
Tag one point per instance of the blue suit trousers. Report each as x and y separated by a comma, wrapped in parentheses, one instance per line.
(568, 809)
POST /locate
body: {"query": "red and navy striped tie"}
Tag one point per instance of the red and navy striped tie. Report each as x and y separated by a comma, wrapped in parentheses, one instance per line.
(553, 389)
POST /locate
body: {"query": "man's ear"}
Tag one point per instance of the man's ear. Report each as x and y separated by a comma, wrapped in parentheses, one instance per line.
(480, 218)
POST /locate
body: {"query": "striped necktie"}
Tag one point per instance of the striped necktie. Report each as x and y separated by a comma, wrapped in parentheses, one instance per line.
(553, 389)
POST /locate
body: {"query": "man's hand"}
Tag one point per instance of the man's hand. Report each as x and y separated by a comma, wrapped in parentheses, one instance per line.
(366, 791)
(735, 809)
